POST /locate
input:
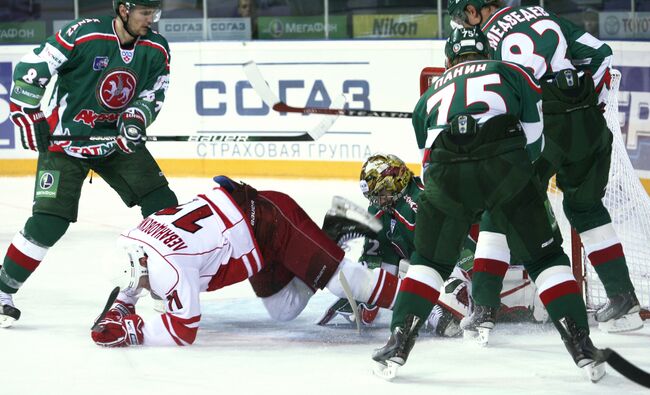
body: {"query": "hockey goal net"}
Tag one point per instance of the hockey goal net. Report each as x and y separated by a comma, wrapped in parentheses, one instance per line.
(628, 204)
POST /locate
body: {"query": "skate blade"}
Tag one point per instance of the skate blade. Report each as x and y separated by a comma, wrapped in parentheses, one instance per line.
(481, 336)
(627, 323)
(6, 321)
(594, 371)
(387, 372)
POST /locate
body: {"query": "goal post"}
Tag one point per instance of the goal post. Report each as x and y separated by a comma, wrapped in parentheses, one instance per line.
(625, 198)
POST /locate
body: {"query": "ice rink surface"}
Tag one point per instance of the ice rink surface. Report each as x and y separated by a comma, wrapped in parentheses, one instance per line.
(239, 350)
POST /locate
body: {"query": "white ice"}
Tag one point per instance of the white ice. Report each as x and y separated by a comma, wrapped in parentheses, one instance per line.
(239, 350)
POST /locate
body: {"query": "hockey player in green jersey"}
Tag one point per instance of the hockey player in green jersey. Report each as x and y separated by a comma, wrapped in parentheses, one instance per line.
(574, 71)
(479, 162)
(393, 190)
(112, 76)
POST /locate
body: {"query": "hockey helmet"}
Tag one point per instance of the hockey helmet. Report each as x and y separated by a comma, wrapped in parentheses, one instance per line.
(156, 5)
(456, 8)
(130, 267)
(463, 41)
(384, 179)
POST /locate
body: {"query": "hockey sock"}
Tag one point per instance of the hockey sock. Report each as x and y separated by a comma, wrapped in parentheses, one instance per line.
(605, 252)
(385, 290)
(491, 261)
(560, 294)
(418, 292)
(28, 248)
(156, 200)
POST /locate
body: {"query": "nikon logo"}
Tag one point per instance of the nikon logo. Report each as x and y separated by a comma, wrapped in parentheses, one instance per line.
(391, 27)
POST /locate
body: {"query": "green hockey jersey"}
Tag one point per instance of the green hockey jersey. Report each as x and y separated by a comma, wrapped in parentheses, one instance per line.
(484, 89)
(97, 80)
(396, 239)
(546, 43)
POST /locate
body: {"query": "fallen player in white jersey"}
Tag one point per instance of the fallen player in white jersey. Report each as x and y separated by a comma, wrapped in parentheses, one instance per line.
(224, 236)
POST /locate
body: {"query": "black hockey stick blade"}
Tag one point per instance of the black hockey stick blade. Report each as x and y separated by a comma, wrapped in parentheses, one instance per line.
(200, 138)
(626, 368)
(111, 298)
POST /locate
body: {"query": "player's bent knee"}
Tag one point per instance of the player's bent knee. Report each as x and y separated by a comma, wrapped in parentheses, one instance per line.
(156, 200)
(289, 302)
(45, 229)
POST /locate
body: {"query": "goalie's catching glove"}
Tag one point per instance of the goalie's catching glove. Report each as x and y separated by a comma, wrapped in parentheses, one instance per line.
(131, 127)
(34, 129)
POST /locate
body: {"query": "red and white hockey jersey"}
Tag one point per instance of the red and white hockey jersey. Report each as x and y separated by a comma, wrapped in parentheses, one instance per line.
(199, 246)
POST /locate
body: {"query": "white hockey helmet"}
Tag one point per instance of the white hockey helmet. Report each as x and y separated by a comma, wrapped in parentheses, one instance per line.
(131, 266)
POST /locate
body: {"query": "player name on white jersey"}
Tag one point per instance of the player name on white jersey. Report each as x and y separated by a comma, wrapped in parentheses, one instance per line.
(161, 232)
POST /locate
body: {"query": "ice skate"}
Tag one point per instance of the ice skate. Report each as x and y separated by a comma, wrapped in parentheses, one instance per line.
(620, 314)
(395, 353)
(585, 355)
(442, 323)
(477, 326)
(8, 312)
(342, 308)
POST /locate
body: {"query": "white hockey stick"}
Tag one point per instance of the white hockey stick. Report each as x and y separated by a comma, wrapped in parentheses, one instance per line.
(353, 303)
(271, 99)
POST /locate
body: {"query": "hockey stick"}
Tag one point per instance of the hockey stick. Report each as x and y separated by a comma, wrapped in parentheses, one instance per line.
(257, 82)
(353, 303)
(111, 298)
(205, 138)
(624, 367)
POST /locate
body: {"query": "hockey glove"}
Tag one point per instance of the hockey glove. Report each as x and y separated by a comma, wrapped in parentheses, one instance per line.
(34, 129)
(121, 332)
(131, 126)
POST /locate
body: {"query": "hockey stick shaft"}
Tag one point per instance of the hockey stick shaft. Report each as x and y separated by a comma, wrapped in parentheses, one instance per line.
(271, 99)
(353, 303)
(111, 299)
(626, 368)
(203, 138)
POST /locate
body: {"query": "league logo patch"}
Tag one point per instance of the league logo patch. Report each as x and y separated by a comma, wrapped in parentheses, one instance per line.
(48, 184)
(7, 135)
(127, 55)
(116, 89)
(100, 63)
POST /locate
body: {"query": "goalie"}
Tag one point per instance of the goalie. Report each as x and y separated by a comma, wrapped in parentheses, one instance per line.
(224, 236)
(393, 190)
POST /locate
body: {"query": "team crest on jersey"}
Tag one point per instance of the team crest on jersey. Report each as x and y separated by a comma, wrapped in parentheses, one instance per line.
(116, 89)
(127, 55)
(100, 63)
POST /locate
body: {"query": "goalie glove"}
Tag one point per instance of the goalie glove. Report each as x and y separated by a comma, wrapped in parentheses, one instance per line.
(34, 129)
(120, 332)
(131, 127)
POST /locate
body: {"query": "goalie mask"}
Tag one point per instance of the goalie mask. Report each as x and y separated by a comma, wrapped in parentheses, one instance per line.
(384, 179)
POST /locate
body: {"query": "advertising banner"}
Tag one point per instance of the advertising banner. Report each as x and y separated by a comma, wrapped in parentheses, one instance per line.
(186, 29)
(209, 93)
(301, 27)
(394, 26)
(22, 32)
(624, 25)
